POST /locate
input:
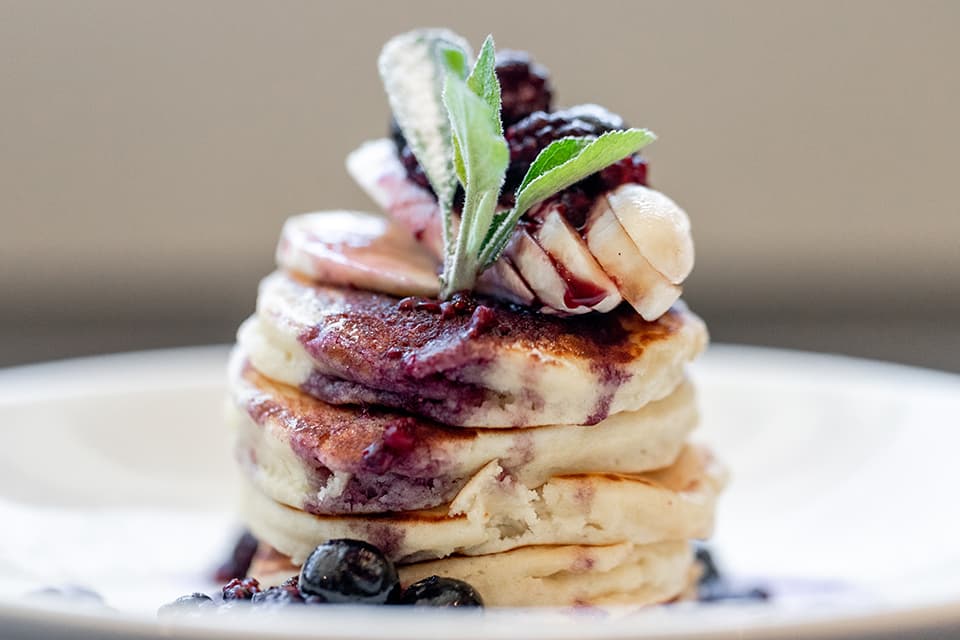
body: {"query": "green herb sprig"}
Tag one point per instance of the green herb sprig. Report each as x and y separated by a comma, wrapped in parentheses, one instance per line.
(480, 159)
(475, 152)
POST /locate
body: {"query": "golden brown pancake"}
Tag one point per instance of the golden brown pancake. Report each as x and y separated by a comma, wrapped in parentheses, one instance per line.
(568, 575)
(494, 513)
(478, 363)
(329, 459)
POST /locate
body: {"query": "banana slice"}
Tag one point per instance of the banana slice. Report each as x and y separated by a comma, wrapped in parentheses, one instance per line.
(501, 280)
(586, 284)
(659, 228)
(357, 249)
(645, 288)
(537, 270)
(379, 172)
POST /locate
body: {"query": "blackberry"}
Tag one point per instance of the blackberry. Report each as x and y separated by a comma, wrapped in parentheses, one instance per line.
(573, 204)
(524, 86)
(286, 593)
(349, 571)
(241, 589)
(533, 134)
(277, 596)
(631, 169)
(530, 136)
(441, 592)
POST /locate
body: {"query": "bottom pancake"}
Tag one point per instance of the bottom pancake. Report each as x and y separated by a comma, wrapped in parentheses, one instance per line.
(569, 575)
(493, 513)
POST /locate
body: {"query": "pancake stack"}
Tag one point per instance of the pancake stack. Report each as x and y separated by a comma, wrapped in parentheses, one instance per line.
(542, 459)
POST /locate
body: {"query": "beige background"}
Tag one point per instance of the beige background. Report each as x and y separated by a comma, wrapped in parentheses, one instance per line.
(149, 152)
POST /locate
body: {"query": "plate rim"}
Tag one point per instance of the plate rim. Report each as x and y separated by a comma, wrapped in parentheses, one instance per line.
(15, 388)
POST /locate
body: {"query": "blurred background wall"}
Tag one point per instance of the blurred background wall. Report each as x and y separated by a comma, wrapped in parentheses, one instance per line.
(149, 152)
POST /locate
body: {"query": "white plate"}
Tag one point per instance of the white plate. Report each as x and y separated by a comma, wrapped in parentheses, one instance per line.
(115, 473)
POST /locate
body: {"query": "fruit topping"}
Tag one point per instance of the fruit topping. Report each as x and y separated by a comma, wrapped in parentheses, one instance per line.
(338, 572)
(458, 304)
(379, 172)
(573, 204)
(441, 592)
(585, 285)
(502, 174)
(640, 284)
(631, 169)
(531, 135)
(349, 571)
(659, 228)
(284, 594)
(193, 603)
(240, 558)
(72, 592)
(714, 586)
(708, 567)
(398, 441)
(357, 249)
(405, 153)
(240, 589)
(524, 86)
(534, 133)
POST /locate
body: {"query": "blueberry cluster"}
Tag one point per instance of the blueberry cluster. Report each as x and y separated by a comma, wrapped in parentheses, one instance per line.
(337, 572)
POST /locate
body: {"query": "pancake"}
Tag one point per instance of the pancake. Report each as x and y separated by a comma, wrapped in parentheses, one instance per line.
(569, 575)
(490, 365)
(329, 459)
(494, 513)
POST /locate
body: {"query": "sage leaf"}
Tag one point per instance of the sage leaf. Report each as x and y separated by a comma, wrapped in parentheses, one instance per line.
(563, 163)
(481, 157)
(413, 67)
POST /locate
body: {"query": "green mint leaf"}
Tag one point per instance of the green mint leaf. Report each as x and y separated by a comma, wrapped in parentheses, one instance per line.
(481, 157)
(557, 153)
(563, 163)
(458, 163)
(413, 67)
(455, 60)
(483, 79)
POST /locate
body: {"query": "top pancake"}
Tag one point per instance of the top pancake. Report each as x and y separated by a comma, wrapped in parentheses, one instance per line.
(493, 365)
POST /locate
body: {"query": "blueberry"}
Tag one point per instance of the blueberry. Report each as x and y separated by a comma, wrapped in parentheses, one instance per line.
(714, 586)
(75, 593)
(349, 571)
(238, 563)
(194, 602)
(721, 592)
(441, 592)
(710, 571)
